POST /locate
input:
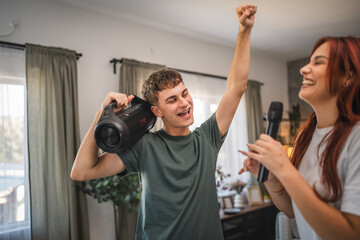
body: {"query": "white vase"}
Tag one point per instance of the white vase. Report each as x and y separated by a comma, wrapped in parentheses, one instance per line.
(239, 201)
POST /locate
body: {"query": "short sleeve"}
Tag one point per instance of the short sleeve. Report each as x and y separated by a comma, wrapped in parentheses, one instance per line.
(351, 194)
(130, 157)
(211, 130)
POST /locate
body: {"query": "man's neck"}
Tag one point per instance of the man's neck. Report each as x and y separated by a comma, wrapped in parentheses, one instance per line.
(177, 131)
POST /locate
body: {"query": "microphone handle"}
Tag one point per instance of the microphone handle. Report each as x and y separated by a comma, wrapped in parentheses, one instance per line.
(263, 174)
(271, 130)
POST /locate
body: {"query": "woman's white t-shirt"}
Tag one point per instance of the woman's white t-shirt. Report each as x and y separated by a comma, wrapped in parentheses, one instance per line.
(348, 167)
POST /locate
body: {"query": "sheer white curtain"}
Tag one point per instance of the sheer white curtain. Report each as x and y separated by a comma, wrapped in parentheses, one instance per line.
(206, 93)
(14, 183)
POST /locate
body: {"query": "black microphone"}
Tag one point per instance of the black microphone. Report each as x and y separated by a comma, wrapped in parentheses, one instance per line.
(273, 117)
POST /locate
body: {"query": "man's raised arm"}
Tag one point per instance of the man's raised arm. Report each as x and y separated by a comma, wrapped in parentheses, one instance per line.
(239, 70)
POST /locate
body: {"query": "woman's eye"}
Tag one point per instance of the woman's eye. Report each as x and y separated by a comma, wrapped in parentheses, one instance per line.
(319, 62)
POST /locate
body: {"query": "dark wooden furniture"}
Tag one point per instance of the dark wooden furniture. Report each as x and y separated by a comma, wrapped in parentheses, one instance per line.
(252, 222)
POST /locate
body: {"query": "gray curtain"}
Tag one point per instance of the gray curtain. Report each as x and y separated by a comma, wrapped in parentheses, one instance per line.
(133, 74)
(125, 223)
(254, 116)
(254, 111)
(58, 209)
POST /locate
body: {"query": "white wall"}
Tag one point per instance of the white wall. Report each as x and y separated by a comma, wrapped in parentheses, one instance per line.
(100, 38)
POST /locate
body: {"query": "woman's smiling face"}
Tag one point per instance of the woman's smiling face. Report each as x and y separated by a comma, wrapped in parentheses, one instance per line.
(314, 88)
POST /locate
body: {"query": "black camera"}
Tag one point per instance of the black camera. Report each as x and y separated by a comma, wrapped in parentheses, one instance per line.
(115, 132)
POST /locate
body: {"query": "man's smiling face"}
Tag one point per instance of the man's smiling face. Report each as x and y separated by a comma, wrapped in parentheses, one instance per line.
(175, 108)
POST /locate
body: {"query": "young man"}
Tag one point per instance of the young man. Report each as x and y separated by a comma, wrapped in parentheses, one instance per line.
(176, 166)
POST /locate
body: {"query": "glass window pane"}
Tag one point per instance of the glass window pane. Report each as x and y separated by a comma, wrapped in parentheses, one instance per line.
(14, 184)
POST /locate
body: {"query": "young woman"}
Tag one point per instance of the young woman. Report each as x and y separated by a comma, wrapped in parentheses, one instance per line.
(320, 185)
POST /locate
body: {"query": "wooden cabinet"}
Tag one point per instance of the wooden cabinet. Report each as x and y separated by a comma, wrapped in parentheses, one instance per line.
(252, 222)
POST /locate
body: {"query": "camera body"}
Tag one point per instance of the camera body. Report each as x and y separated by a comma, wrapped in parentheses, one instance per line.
(115, 132)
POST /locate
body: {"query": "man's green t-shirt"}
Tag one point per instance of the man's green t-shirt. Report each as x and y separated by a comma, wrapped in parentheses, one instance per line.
(179, 199)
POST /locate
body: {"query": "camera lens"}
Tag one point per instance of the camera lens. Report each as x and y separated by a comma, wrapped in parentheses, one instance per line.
(110, 136)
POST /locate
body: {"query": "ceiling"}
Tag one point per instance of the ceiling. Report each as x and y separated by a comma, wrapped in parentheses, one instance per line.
(286, 29)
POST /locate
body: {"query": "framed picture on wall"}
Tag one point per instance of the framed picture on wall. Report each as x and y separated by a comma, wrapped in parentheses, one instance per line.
(254, 195)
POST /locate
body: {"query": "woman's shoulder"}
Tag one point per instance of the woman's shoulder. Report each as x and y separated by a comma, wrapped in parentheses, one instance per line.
(354, 137)
(356, 128)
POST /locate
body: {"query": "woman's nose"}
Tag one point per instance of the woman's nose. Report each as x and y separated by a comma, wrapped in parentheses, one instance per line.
(305, 69)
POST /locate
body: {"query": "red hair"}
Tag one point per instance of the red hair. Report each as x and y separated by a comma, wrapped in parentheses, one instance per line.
(344, 60)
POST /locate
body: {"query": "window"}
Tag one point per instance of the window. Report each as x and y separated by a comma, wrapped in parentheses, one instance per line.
(207, 93)
(14, 184)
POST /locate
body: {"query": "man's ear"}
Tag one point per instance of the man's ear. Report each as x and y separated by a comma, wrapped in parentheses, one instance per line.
(156, 111)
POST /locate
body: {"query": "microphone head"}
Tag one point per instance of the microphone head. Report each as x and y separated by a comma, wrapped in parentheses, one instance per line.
(275, 112)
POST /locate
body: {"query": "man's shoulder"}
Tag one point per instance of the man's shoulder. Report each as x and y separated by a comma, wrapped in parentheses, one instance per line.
(152, 138)
(149, 136)
(209, 122)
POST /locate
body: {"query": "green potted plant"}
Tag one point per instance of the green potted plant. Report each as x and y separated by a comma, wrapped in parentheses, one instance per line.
(123, 192)
(238, 186)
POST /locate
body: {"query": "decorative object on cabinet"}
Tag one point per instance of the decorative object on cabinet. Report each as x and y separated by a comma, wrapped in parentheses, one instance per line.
(227, 202)
(254, 195)
(239, 201)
